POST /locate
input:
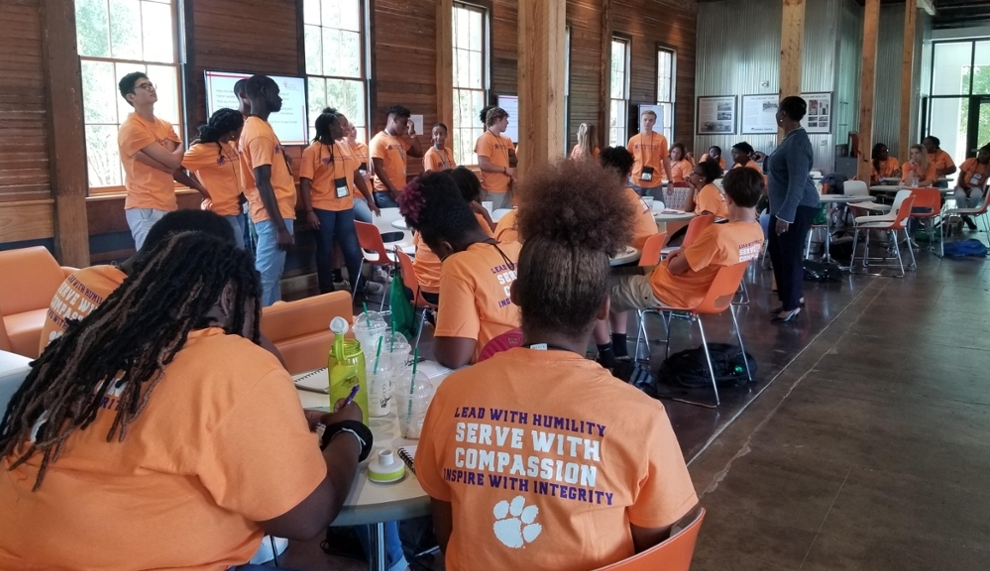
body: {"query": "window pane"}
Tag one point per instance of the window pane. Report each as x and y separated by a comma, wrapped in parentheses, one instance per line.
(314, 46)
(981, 77)
(102, 155)
(463, 76)
(949, 121)
(311, 12)
(951, 68)
(125, 29)
(331, 51)
(347, 96)
(99, 92)
(348, 16)
(164, 77)
(463, 29)
(156, 21)
(618, 77)
(475, 58)
(350, 55)
(92, 28)
(317, 94)
(476, 30)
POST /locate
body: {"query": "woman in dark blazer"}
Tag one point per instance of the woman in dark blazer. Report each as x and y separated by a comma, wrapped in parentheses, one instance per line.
(794, 202)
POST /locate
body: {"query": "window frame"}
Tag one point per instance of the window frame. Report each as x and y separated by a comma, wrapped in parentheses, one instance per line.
(670, 104)
(485, 8)
(621, 123)
(567, 88)
(177, 63)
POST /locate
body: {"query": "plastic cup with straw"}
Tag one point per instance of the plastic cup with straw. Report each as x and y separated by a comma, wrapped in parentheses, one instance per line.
(367, 316)
(412, 387)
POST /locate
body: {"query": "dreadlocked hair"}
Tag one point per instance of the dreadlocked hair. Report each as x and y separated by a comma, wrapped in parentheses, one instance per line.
(432, 205)
(222, 122)
(126, 343)
(571, 218)
(323, 124)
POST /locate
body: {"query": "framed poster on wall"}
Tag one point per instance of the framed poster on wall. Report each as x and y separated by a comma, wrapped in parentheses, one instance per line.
(717, 115)
(820, 113)
(759, 114)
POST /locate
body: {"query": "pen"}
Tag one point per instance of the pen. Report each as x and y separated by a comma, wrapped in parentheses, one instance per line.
(350, 397)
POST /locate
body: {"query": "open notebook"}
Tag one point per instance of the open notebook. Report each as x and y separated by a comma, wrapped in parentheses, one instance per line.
(315, 381)
(408, 455)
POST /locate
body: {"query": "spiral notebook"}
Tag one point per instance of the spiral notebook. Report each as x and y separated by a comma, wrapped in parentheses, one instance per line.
(314, 381)
(408, 455)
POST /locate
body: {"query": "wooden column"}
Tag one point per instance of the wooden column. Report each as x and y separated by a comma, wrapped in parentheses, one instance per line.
(867, 83)
(66, 138)
(605, 73)
(907, 78)
(445, 64)
(541, 81)
(791, 48)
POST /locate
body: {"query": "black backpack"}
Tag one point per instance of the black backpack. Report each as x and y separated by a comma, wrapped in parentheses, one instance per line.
(689, 368)
(821, 272)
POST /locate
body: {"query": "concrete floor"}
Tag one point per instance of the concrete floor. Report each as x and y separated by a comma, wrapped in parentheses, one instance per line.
(868, 445)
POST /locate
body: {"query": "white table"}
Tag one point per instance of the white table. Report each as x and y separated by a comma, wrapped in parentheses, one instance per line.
(672, 216)
(499, 213)
(831, 200)
(14, 369)
(893, 188)
(627, 256)
(400, 224)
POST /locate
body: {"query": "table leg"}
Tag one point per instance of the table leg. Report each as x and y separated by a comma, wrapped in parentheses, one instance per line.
(377, 560)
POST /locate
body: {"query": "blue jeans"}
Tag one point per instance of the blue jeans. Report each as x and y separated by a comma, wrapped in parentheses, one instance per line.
(269, 260)
(362, 212)
(140, 221)
(384, 200)
(339, 225)
(237, 223)
(396, 560)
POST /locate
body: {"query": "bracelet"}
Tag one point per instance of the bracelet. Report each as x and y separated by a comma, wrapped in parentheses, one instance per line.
(361, 432)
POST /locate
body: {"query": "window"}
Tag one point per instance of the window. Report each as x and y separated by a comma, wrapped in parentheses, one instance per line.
(567, 88)
(619, 93)
(335, 62)
(470, 79)
(958, 112)
(114, 38)
(666, 72)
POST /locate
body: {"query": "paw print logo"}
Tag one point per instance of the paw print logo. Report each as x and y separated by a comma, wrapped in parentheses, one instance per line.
(514, 523)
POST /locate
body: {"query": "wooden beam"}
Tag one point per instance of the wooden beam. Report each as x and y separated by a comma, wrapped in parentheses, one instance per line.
(605, 73)
(871, 28)
(791, 49)
(542, 25)
(66, 138)
(907, 78)
(445, 63)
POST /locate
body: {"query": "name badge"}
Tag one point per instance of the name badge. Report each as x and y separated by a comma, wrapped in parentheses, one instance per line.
(647, 174)
(342, 190)
(363, 168)
(976, 179)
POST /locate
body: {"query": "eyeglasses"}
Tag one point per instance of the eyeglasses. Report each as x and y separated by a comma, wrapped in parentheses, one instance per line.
(146, 86)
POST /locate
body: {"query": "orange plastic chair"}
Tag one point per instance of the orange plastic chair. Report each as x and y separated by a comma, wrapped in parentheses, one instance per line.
(29, 278)
(891, 223)
(719, 298)
(504, 342)
(674, 554)
(373, 251)
(652, 250)
(930, 199)
(300, 329)
(408, 272)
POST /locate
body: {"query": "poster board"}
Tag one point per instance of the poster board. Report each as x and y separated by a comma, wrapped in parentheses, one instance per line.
(511, 105)
(290, 123)
(717, 115)
(759, 114)
(820, 113)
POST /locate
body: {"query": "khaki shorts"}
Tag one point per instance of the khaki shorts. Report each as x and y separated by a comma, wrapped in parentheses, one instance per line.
(632, 290)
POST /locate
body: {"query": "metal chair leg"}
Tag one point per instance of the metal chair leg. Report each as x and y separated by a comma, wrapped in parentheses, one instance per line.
(744, 293)
(852, 262)
(708, 357)
(422, 323)
(735, 323)
(897, 250)
(357, 280)
(914, 261)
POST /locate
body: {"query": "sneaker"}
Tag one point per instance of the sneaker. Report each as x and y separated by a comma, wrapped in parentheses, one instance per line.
(341, 285)
(381, 275)
(372, 288)
(969, 223)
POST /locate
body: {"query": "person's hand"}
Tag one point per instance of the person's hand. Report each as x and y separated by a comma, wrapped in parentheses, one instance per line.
(511, 172)
(313, 220)
(782, 226)
(341, 413)
(284, 240)
(410, 128)
(758, 156)
(374, 208)
(689, 156)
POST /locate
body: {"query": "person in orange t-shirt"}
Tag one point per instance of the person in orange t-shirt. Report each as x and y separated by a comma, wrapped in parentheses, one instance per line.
(505, 230)
(198, 450)
(714, 154)
(475, 274)
(586, 147)
(706, 198)
(268, 185)
(651, 153)
(388, 153)
(505, 493)
(493, 150)
(683, 279)
(364, 205)
(680, 165)
(972, 182)
(918, 171)
(742, 154)
(944, 165)
(438, 157)
(214, 161)
(884, 165)
(620, 161)
(151, 153)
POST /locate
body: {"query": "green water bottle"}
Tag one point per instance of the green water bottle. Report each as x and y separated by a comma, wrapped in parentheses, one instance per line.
(345, 366)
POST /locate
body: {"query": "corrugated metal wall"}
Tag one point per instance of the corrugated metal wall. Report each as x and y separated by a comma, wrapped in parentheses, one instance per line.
(887, 99)
(850, 66)
(819, 69)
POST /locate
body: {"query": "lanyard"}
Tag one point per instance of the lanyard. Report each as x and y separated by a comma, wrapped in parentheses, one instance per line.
(402, 150)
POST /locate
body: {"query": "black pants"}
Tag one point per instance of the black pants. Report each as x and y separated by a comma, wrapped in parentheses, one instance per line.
(787, 253)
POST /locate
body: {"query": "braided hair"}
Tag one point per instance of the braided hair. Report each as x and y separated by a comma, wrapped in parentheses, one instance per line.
(222, 122)
(327, 118)
(126, 343)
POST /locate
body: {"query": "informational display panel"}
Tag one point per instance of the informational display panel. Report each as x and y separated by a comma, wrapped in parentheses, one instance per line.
(290, 123)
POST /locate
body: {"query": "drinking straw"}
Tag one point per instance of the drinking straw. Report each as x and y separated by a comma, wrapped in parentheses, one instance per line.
(367, 315)
(412, 386)
(391, 345)
(378, 354)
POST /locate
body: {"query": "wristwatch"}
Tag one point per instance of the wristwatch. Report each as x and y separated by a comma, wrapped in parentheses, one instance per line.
(359, 431)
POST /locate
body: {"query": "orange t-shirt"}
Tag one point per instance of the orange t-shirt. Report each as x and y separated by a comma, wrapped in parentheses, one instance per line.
(392, 151)
(644, 225)
(147, 187)
(505, 229)
(221, 444)
(434, 160)
(547, 460)
(80, 293)
(941, 160)
(887, 168)
(973, 174)
(474, 294)
(749, 164)
(496, 149)
(648, 151)
(721, 160)
(427, 264)
(710, 198)
(907, 169)
(718, 245)
(360, 152)
(218, 168)
(332, 177)
(260, 146)
(680, 170)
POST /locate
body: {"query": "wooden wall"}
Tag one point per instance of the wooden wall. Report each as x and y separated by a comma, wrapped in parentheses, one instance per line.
(264, 36)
